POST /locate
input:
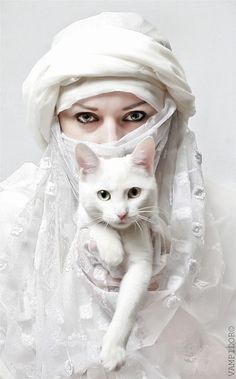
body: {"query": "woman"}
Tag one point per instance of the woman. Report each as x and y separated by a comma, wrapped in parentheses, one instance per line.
(56, 298)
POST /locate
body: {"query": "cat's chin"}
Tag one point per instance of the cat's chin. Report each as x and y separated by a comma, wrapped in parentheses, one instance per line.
(120, 225)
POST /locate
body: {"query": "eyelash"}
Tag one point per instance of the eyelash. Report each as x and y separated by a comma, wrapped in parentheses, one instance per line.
(77, 115)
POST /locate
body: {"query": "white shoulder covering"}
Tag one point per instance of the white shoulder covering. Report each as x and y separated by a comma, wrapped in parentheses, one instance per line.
(4, 372)
(14, 193)
(222, 202)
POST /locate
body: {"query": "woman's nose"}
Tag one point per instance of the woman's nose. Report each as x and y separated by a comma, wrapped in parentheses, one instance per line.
(111, 132)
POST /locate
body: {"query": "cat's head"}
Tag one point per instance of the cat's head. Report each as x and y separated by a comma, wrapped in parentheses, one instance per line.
(118, 191)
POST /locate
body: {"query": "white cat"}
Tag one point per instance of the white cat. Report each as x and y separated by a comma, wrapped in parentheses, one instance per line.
(118, 200)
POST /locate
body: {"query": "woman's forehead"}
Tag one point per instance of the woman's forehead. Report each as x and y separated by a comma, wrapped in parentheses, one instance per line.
(122, 100)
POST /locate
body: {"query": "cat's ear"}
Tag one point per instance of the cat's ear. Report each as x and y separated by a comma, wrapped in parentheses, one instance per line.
(87, 160)
(143, 154)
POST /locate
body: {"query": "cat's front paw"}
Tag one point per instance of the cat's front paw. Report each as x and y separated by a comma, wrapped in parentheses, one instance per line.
(112, 357)
(112, 254)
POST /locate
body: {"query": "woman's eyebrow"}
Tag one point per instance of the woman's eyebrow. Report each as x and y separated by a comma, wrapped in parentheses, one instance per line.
(134, 105)
(124, 109)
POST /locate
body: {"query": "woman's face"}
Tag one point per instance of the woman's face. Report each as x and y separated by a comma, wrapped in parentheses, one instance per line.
(106, 117)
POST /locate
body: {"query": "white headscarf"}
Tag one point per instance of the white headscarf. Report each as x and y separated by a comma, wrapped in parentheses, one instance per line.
(152, 93)
(57, 297)
(120, 44)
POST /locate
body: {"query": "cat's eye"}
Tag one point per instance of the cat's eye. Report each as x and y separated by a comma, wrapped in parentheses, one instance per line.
(104, 195)
(134, 192)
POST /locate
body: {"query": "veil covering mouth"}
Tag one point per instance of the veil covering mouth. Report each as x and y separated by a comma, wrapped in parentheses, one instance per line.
(57, 298)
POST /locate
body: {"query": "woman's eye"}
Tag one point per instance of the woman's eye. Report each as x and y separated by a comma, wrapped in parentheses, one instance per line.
(104, 195)
(134, 192)
(87, 117)
(135, 116)
(84, 117)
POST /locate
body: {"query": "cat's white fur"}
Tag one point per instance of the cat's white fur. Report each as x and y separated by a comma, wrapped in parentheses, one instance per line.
(125, 239)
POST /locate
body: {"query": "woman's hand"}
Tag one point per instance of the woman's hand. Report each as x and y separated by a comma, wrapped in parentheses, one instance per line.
(96, 270)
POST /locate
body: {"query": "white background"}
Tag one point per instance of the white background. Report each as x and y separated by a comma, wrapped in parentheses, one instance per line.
(202, 35)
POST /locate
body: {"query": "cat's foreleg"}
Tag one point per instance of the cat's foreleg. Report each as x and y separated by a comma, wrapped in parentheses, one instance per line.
(133, 287)
(108, 243)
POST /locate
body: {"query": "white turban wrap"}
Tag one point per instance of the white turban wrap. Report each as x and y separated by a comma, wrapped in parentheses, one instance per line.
(56, 297)
(86, 87)
(120, 44)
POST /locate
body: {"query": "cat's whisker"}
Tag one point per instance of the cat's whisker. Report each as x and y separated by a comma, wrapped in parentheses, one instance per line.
(140, 226)
(136, 223)
(146, 220)
(153, 206)
(145, 211)
(97, 215)
(148, 208)
(95, 221)
(106, 225)
(158, 209)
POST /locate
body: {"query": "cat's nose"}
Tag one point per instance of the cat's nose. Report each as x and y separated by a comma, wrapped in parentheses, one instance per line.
(122, 215)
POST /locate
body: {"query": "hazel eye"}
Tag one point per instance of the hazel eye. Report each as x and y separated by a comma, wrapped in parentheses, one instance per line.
(135, 116)
(104, 195)
(134, 192)
(85, 117)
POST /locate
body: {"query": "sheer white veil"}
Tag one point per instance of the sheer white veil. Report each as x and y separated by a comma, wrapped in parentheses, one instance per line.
(45, 281)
